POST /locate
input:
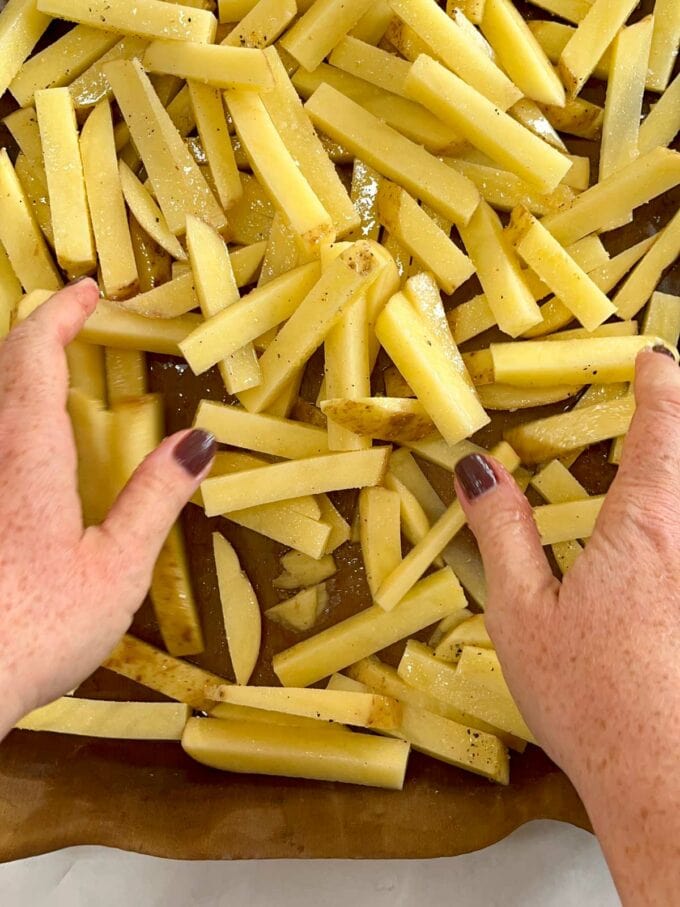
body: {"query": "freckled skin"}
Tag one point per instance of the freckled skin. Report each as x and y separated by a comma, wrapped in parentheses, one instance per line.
(594, 661)
(67, 594)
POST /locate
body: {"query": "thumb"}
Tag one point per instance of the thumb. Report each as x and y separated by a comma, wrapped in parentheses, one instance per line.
(517, 570)
(145, 511)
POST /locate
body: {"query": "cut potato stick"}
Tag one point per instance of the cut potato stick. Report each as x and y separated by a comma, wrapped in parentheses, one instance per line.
(414, 522)
(482, 124)
(216, 65)
(250, 219)
(373, 24)
(388, 418)
(92, 433)
(300, 138)
(21, 27)
(340, 528)
(73, 238)
(568, 521)
(178, 183)
(117, 720)
(229, 712)
(665, 42)
(285, 525)
(576, 117)
(662, 318)
(173, 598)
(662, 123)
(530, 115)
(519, 53)
(23, 126)
(623, 107)
(334, 472)
(323, 26)
(105, 201)
(92, 86)
(301, 612)
(557, 485)
(33, 181)
(125, 374)
(239, 324)
(246, 261)
(86, 369)
(159, 671)
(442, 739)
(366, 710)
(436, 450)
(555, 436)
(369, 631)
(236, 746)
(419, 558)
(147, 213)
(300, 570)
(263, 24)
(412, 226)
(570, 283)
(20, 234)
(471, 632)
(505, 190)
(169, 300)
(339, 286)
(642, 281)
(571, 10)
(10, 292)
(376, 66)
(240, 609)
(392, 155)
(261, 432)
(406, 470)
(507, 293)
(211, 121)
(234, 10)
(589, 253)
(154, 265)
(277, 170)
(283, 252)
(379, 534)
(364, 197)
(508, 398)
(152, 19)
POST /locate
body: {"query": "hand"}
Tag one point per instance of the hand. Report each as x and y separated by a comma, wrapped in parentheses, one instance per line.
(593, 662)
(67, 595)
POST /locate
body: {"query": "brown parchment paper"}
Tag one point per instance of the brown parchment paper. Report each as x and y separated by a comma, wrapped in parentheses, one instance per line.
(57, 791)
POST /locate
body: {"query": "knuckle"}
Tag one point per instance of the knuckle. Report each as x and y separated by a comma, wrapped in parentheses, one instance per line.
(644, 515)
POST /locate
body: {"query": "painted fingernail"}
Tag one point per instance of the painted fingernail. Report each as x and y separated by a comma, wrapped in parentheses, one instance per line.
(475, 476)
(660, 348)
(195, 451)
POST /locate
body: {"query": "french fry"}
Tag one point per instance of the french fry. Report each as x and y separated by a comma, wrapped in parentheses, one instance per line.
(662, 123)
(86, 369)
(442, 739)
(287, 526)
(261, 432)
(557, 486)
(366, 710)
(236, 746)
(246, 261)
(392, 155)
(419, 558)
(250, 219)
(369, 631)
(590, 40)
(530, 115)
(323, 26)
(414, 522)
(92, 86)
(92, 432)
(117, 720)
(173, 598)
(589, 253)
(364, 197)
(168, 300)
(21, 27)
(370, 63)
(20, 234)
(73, 238)
(229, 712)
(125, 374)
(301, 612)
(107, 206)
(567, 521)
(476, 118)
(664, 44)
(152, 18)
(178, 184)
(300, 570)
(333, 472)
(10, 292)
(505, 190)
(159, 671)
(387, 418)
(33, 181)
(571, 10)
(404, 467)
(662, 318)
(23, 126)
(300, 138)
(263, 24)
(576, 117)
(282, 253)
(154, 265)
(340, 529)
(640, 285)
(555, 436)
(379, 534)
(373, 24)
(240, 609)
(436, 450)
(471, 632)
(412, 226)
(623, 107)
(211, 121)
(234, 10)
(216, 65)
(395, 386)
(239, 324)
(147, 213)
(519, 53)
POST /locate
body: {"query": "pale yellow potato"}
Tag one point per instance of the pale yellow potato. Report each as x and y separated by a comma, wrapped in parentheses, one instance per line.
(168, 300)
(519, 53)
(246, 261)
(414, 522)
(410, 224)
(487, 127)
(471, 632)
(264, 433)
(662, 318)
(240, 610)
(285, 525)
(369, 631)
(333, 472)
(508, 398)
(567, 521)
(553, 37)
(87, 369)
(263, 24)
(152, 18)
(173, 600)
(159, 671)
(393, 155)
(10, 292)
(92, 432)
(388, 418)
(230, 712)
(117, 720)
(71, 225)
(20, 234)
(147, 213)
(590, 40)
(21, 27)
(456, 50)
(557, 485)
(662, 123)
(504, 190)
(282, 253)
(34, 183)
(665, 40)
(211, 121)
(241, 323)
(419, 558)
(376, 66)
(442, 739)
(358, 709)
(23, 126)
(300, 570)
(253, 748)
(530, 115)
(404, 467)
(216, 65)
(234, 10)
(125, 374)
(321, 27)
(395, 386)
(640, 285)
(364, 197)
(119, 276)
(301, 612)
(340, 528)
(577, 117)
(379, 534)
(623, 106)
(92, 86)
(373, 24)
(589, 253)
(436, 450)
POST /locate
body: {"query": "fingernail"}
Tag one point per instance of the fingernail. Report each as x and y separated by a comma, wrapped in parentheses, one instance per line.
(195, 451)
(76, 280)
(475, 476)
(660, 348)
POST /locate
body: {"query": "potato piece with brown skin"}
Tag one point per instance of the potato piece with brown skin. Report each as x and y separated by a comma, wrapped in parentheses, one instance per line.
(397, 419)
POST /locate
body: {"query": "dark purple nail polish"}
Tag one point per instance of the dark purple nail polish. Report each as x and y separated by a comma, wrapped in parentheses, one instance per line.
(195, 451)
(660, 348)
(475, 475)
